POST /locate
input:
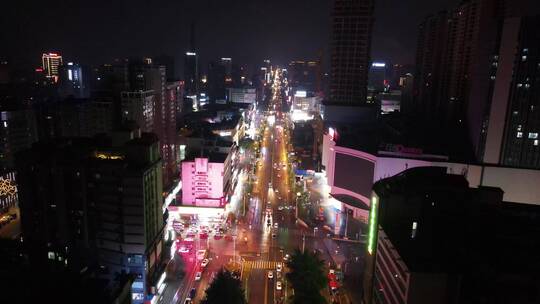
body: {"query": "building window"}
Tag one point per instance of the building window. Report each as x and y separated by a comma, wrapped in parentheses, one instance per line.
(533, 135)
(525, 50)
(523, 58)
(535, 142)
(519, 134)
(519, 85)
(413, 230)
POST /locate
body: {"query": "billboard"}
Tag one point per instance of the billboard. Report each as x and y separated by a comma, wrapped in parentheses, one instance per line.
(354, 173)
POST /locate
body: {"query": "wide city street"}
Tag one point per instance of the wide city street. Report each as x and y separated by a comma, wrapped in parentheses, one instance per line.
(265, 231)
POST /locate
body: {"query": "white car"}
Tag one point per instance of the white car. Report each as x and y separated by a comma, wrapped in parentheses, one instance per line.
(280, 208)
(278, 267)
(198, 276)
(270, 274)
(204, 263)
(286, 257)
(278, 285)
(183, 249)
(276, 225)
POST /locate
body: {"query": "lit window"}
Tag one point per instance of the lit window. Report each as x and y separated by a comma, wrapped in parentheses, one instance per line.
(519, 85)
(535, 142)
(413, 231)
(525, 50)
(519, 134)
(492, 77)
(523, 58)
(519, 127)
(533, 135)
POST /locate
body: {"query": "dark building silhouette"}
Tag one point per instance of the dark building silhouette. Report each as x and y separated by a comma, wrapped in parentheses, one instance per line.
(352, 22)
(433, 239)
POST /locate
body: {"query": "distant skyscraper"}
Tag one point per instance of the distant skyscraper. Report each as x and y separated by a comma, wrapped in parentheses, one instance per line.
(72, 81)
(51, 63)
(305, 75)
(432, 56)
(377, 77)
(351, 40)
(217, 75)
(191, 66)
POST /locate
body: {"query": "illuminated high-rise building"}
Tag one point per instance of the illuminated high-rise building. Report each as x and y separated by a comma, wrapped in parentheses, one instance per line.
(351, 40)
(51, 63)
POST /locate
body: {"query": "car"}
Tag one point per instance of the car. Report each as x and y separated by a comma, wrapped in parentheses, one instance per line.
(218, 236)
(286, 257)
(270, 274)
(183, 249)
(279, 267)
(187, 301)
(204, 263)
(278, 285)
(203, 236)
(276, 225)
(192, 293)
(331, 271)
(198, 276)
(280, 208)
(228, 237)
(201, 254)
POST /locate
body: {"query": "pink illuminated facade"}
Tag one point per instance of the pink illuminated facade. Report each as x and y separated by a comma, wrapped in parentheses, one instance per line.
(202, 183)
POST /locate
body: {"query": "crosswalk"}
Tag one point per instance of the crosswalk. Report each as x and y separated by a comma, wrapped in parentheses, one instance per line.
(260, 264)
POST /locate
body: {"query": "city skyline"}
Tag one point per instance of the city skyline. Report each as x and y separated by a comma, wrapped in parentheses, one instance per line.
(80, 36)
(270, 152)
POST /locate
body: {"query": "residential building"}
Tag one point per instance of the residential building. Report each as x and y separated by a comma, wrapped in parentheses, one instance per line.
(139, 107)
(510, 129)
(18, 131)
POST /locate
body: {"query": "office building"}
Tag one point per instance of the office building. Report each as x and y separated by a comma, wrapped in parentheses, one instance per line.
(72, 81)
(305, 75)
(95, 205)
(432, 239)
(242, 95)
(378, 77)
(350, 50)
(191, 73)
(148, 77)
(51, 62)
(217, 76)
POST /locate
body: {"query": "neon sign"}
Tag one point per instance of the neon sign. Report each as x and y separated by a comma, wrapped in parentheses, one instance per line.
(372, 224)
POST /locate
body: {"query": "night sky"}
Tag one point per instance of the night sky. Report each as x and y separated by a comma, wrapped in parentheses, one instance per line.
(247, 30)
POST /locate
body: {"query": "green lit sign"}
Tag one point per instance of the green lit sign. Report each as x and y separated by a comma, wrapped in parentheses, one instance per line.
(372, 225)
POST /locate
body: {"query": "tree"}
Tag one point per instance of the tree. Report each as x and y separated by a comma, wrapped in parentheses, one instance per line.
(225, 289)
(307, 277)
